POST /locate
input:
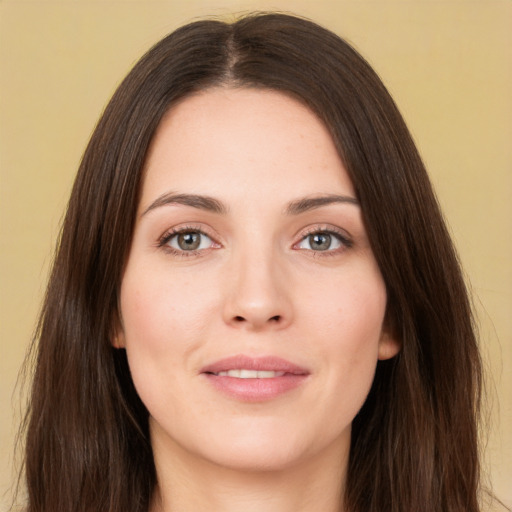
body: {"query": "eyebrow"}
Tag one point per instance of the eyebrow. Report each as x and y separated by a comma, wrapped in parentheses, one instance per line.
(213, 205)
(310, 203)
(194, 200)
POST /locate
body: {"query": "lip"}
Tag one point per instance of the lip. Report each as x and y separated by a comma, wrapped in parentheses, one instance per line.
(254, 389)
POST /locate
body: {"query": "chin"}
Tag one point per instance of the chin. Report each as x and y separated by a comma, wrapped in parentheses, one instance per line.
(270, 448)
(261, 456)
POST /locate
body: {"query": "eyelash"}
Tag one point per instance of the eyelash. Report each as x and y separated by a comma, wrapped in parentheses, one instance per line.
(164, 240)
(169, 235)
(346, 242)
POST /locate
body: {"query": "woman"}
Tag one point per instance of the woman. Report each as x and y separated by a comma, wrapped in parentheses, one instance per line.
(255, 304)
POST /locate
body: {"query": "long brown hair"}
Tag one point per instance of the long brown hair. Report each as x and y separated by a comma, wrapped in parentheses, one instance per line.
(414, 442)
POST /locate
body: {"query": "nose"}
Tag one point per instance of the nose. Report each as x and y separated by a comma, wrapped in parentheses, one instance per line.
(259, 293)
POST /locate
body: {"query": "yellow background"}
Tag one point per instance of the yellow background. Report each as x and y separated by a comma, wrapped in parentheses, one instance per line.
(447, 63)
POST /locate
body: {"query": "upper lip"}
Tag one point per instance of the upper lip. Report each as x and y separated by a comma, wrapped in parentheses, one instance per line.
(266, 363)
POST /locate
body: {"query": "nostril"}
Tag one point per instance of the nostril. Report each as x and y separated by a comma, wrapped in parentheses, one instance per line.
(239, 319)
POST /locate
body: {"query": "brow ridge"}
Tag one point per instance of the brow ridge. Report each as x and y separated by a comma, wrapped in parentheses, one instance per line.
(213, 205)
(194, 200)
(310, 203)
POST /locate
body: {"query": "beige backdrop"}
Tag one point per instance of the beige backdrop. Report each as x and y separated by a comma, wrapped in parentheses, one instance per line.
(448, 65)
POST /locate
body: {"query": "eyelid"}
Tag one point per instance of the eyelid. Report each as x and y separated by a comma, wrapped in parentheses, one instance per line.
(339, 233)
(164, 239)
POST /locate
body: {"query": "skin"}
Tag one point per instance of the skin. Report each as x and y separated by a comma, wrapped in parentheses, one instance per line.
(257, 285)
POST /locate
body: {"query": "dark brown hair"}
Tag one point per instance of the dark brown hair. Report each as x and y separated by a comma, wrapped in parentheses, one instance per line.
(414, 442)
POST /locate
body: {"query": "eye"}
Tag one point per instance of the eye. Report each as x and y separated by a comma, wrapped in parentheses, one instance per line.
(187, 241)
(323, 241)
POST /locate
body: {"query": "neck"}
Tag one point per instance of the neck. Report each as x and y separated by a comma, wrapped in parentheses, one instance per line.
(195, 485)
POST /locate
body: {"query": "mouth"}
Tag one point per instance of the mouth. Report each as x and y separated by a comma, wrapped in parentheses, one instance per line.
(249, 374)
(259, 379)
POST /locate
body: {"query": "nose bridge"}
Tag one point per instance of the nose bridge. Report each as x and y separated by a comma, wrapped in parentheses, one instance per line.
(258, 295)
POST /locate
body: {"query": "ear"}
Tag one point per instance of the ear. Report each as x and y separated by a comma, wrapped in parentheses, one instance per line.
(117, 338)
(389, 343)
(389, 346)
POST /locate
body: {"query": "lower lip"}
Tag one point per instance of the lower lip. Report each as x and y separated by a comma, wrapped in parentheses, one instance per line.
(255, 390)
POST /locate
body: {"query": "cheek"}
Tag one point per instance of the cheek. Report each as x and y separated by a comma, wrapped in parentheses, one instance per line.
(347, 321)
(348, 312)
(162, 322)
(158, 309)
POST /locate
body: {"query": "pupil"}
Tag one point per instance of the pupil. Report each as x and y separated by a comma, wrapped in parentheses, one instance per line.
(320, 242)
(189, 241)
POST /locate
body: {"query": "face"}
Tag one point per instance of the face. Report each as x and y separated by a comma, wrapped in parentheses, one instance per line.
(252, 306)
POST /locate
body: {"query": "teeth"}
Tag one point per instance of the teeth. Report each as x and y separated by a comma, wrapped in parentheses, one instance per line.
(250, 374)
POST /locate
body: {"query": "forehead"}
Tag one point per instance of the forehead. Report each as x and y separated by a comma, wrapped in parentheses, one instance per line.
(262, 142)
